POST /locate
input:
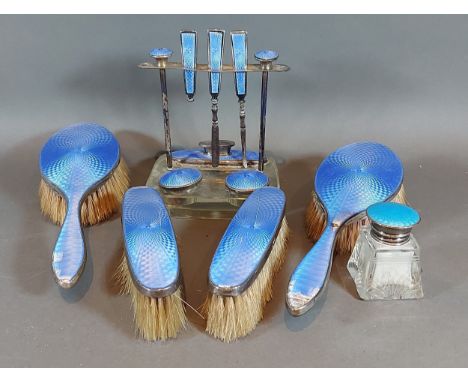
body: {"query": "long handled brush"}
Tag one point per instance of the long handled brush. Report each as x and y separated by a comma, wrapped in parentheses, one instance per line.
(83, 180)
(149, 270)
(316, 221)
(241, 274)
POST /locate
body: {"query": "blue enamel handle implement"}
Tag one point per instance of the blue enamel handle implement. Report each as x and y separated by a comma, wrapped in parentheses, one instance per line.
(161, 55)
(239, 57)
(266, 58)
(75, 161)
(188, 43)
(215, 64)
(347, 182)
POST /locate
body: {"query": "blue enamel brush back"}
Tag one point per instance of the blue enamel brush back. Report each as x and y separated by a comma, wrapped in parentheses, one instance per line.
(77, 157)
(245, 245)
(356, 176)
(150, 242)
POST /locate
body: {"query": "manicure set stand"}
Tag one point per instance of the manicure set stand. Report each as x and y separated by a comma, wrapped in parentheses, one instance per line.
(214, 179)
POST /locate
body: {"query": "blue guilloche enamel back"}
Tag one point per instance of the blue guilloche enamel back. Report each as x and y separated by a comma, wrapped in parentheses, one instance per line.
(75, 160)
(196, 155)
(239, 56)
(246, 180)
(77, 157)
(356, 176)
(150, 242)
(180, 178)
(215, 59)
(347, 182)
(245, 245)
(188, 41)
(393, 215)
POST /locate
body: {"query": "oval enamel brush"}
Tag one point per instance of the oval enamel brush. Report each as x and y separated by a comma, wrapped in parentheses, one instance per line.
(149, 270)
(83, 181)
(248, 256)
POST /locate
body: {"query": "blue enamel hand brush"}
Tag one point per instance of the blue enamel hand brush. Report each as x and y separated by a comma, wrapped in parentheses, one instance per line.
(150, 270)
(347, 182)
(83, 180)
(241, 274)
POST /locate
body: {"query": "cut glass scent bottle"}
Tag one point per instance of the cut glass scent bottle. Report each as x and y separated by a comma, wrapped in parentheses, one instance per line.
(385, 263)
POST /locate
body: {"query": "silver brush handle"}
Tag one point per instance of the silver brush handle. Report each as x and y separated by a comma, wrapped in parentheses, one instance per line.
(161, 55)
(215, 64)
(239, 57)
(266, 58)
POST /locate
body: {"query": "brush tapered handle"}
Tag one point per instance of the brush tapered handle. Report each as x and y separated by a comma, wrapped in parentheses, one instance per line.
(310, 277)
(188, 42)
(69, 253)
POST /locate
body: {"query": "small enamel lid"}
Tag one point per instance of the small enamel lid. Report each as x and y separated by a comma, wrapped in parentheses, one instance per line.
(246, 180)
(161, 53)
(180, 178)
(266, 55)
(393, 215)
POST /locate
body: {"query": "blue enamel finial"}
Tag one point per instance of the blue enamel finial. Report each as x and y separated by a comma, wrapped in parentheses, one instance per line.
(393, 215)
(161, 53)
(266, 55)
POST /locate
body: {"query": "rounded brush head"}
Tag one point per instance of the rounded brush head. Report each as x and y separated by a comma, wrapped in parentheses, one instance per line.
(97, 207)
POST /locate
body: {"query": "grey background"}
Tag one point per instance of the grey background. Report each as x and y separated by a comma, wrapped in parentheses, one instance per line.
(400, 80)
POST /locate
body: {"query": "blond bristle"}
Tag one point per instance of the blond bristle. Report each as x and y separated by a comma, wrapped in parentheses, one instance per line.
(316, 220)
(229, 318)
(98, 206)
(155, 318)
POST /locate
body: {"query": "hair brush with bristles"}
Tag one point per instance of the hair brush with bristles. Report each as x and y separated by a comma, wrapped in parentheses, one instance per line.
(149, 270)
(83, 181)
(347, 182)
(241, 274)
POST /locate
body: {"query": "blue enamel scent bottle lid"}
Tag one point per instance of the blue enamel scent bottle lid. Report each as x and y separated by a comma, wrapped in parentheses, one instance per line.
(392, 222)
